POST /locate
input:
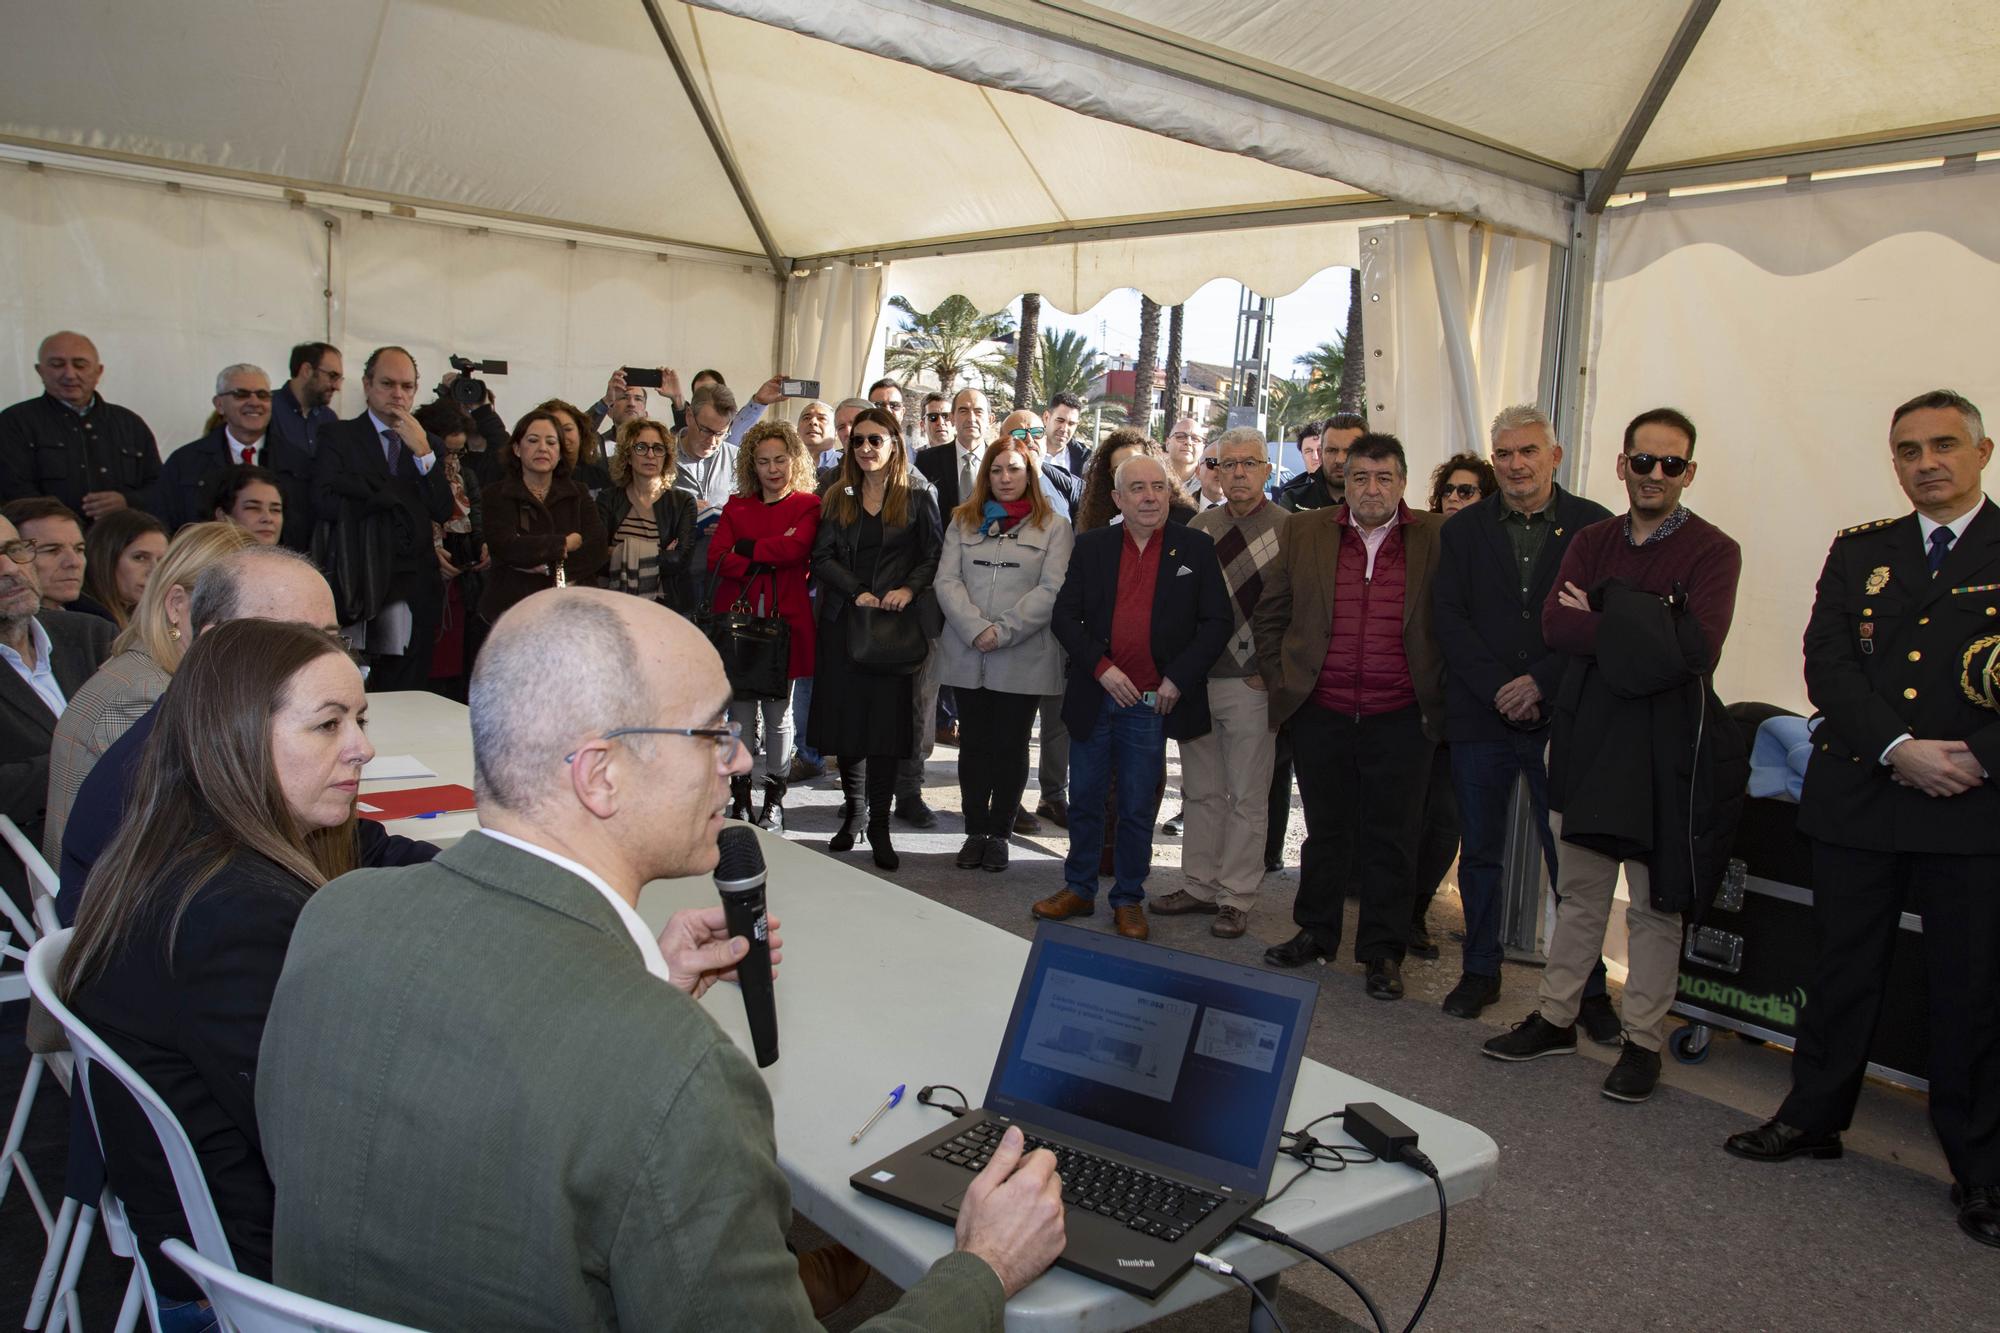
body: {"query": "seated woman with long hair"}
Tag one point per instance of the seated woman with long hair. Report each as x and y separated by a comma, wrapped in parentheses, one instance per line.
(119, 555)
(243, 806)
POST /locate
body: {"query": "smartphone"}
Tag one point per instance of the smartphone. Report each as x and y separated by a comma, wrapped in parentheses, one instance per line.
(637, 378)
(799, 388)
(1151, 698)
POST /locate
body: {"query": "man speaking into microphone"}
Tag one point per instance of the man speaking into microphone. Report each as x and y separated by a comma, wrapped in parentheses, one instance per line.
(480, 1106)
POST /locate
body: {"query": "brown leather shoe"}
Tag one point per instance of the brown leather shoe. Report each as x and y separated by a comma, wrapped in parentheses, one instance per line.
(1229, 923)
(1179, 903)
(1063, 905)
(831, 1276)
(1131, 921)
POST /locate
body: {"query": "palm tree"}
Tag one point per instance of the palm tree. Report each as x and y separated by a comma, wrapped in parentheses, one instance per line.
(1147, 364)
(1065, 363)
(1320, 395)
(941, 341)
(1353, 389)
(1173, 391)
(1026, 344)
(1287, 410)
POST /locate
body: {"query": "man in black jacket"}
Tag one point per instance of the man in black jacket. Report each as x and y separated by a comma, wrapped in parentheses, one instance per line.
(1497, 562)
(382, 464)
(1328, 485)
(1900, 797)
(187, 479)
(69, 443)
(1143, 614)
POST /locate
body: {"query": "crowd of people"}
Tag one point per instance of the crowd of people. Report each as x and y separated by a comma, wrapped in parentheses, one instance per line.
(185, 740)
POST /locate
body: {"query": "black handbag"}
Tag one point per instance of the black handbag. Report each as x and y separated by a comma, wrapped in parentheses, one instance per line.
(885, 643)
(357, 553)
(756, 650)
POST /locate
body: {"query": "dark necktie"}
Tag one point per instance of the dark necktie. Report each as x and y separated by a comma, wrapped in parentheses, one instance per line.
(1940, 546)
(392, 449)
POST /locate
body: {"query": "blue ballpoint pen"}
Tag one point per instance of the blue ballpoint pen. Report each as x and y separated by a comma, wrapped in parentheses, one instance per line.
(893, 1098)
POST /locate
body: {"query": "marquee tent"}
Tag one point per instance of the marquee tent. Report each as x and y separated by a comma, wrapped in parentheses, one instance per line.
(572, 186)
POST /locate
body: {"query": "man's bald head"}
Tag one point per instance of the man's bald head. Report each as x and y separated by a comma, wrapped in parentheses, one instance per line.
(68, 365)
(262, 583)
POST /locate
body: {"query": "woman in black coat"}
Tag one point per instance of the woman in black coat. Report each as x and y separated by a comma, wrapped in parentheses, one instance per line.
(539, 523)
(877, 550)
(242, 807)
(649, 524)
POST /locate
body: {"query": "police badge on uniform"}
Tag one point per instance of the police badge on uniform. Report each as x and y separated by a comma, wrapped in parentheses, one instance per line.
(1878, 579)
(1979, 671)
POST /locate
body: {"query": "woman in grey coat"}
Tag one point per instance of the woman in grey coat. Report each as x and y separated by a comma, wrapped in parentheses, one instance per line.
(1005, 554)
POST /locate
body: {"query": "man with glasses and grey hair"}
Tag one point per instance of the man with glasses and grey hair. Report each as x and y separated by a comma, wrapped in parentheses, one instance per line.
(1497, 562)
(383, 1084)
(243, 399)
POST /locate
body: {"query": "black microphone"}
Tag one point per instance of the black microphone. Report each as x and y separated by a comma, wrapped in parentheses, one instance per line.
(739, 878)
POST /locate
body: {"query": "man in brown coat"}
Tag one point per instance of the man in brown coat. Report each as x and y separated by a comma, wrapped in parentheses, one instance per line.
(1344, 640)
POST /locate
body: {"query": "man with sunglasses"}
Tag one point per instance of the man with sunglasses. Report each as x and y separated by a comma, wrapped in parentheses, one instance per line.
(1900, 798)
(1656, 589)
(1024, 430)
(379, 1113)
(1497, 563)
(70, 444)
(243, 399)
(938, 428)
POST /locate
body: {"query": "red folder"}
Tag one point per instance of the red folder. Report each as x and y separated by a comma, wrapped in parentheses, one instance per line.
(416, 802)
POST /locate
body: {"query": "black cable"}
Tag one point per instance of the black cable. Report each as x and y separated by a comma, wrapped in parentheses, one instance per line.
(1215, 1265)
(1250, 1226)
(925, 1098)
(1429, 1168)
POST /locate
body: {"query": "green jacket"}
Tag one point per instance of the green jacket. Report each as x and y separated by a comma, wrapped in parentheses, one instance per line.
(480, 1111)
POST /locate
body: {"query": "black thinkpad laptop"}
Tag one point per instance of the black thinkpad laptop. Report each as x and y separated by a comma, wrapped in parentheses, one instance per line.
(1160, 1079)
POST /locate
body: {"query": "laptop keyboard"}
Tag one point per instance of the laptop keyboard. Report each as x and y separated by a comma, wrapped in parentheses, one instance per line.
(1149, 1204)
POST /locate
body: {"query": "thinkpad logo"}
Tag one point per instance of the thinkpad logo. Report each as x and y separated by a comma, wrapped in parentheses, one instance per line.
(1135, 1263)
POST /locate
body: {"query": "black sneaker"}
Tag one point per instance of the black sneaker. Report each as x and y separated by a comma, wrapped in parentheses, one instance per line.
(1635, 1075)
(1172, 828)
(972, 854)
(1599, 1021)
(1469, 998)
(1533, 1037)
(912, 811)
(995, 859)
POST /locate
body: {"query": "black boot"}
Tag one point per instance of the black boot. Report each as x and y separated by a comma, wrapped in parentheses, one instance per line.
(881, 789)
(739, 797)
(772, 816)
(853, 807)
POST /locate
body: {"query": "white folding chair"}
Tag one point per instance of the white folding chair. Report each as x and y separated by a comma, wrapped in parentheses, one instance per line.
(246, 1305)
(204, 1224)
(43, 882)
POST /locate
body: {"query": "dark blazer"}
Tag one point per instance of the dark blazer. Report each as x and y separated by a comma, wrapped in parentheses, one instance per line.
(350, 468)
(939, 464)
(673, 514)
(46, 449)
(78, 645)
(1876, 584)
(189, 474)
(527, 536)
(1191, 621)
(909, 559)
(1293, 623)
(1488, 633)
(1063, 487)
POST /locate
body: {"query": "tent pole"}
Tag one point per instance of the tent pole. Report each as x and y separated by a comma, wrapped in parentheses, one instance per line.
(716, 143)
(1603, 182)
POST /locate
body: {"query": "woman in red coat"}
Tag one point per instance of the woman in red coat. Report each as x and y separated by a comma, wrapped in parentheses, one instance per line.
(763, 543)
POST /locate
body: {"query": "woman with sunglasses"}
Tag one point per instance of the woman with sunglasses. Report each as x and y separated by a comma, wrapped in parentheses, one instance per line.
(877, 550)
(761, 549)
(649, 524)
(1005, 555)
(1459, 481)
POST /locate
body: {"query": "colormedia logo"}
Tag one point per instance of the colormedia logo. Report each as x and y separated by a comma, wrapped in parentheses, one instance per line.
(1778, 1008)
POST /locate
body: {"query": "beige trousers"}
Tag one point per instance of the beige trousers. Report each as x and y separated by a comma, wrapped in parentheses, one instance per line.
(1225, 790)
(1586, 881)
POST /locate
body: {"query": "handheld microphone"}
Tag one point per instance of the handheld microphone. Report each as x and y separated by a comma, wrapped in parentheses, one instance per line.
(739, 878)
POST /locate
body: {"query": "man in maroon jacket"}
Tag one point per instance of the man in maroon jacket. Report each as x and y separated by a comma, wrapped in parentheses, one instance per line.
(1345, 645)
(1660, 547)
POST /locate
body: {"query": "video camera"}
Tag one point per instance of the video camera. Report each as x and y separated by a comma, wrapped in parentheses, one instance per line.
(466, 391)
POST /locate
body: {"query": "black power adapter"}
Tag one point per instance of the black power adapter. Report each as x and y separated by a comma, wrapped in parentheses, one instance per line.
(1377, 1131)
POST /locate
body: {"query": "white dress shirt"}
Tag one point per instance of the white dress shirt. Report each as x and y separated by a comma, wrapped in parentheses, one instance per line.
(635, 925)
(41, 677)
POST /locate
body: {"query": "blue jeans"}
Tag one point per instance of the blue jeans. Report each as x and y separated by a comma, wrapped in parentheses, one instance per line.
(186, 1317)
(1131, 742)
(802, 698)
(1482, 775)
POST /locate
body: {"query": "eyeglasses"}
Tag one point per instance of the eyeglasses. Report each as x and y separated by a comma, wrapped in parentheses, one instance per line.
(728, 738)
(659, 450)
(1462, 491)
(937, 416)
(245, 395)
(1233, 464)
(1642, 464)
(706, 433)
(1025, 433)
(21, 552)
(872, 441)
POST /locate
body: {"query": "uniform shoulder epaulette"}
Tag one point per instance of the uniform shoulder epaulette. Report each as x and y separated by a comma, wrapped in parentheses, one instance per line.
(1865, 527)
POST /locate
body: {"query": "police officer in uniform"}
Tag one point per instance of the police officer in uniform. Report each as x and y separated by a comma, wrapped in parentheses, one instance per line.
(1902, 796)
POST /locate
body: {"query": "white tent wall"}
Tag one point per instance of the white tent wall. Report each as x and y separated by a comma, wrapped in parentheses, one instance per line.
(1788, 324)
(831, 318)
(173, 285)
(1452, 316)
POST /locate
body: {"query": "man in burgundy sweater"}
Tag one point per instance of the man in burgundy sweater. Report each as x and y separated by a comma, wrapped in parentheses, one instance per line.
(1659, 547)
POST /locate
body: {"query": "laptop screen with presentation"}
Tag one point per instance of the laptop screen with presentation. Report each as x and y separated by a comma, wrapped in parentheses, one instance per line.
(1172, 1056)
